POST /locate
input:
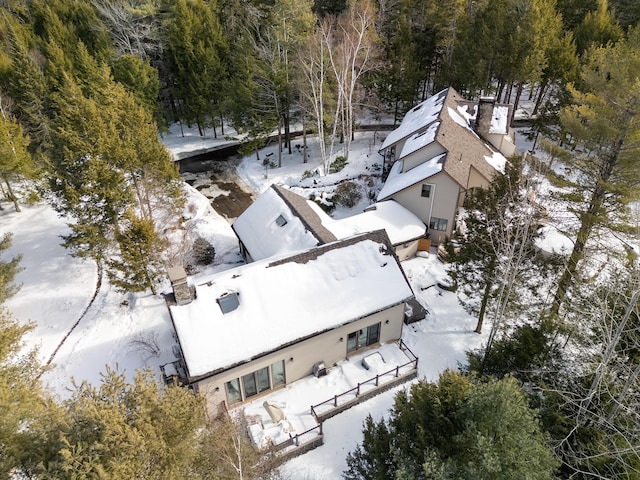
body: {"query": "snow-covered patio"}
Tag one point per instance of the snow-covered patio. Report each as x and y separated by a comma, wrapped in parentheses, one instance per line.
(304, 405)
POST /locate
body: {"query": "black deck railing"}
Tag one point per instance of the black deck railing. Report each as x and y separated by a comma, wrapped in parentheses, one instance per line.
(308, 440)
(333, 402)
(298, 438)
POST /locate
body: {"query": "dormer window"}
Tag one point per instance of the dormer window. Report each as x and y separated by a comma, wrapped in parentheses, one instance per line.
(420, 134)
(229, 302)
(281, 221)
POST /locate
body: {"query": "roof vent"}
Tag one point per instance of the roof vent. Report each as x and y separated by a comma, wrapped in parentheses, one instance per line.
(229, 302)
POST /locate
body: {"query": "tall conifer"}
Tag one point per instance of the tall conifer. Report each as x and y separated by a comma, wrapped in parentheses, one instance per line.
(603, 122)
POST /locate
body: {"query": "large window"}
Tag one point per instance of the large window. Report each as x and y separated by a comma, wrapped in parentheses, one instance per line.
(252, 384)
(438, 224)
(277, 373)
(363, 337)
(233, 391)
(256, 382)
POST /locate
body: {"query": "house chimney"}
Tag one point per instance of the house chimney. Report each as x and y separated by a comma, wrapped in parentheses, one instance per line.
(181, 290)
(484, 115)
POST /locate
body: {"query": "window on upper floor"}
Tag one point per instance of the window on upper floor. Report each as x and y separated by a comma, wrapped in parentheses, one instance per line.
(439, 224)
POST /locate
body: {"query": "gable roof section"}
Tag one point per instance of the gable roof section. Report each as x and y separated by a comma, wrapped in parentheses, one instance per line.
(400, 224)
(448, 119)
(397, 180)
(307, 215)
(258, 231)
(285, 301)
(419, 140)
(417, 118)
(463, 145)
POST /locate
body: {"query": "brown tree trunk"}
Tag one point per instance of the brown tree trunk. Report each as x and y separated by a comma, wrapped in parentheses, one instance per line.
(11, 195)
(287, 131)
(304, 140)
(588, 220)
(517, 100)
(483, 307)
(543, 87)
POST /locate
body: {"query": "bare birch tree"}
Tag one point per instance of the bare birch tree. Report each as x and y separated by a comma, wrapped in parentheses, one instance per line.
(231, 455)
(496, 256)
(133, 25)
(314, 61)
(352, 56)
(599, 387)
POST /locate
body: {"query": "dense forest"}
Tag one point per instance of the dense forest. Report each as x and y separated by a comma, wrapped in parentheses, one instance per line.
(87, 86)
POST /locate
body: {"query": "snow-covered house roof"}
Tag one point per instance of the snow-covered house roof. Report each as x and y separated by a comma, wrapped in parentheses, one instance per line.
(417, 118)
(400, 224)
(451, 123)
(307, 225)
(419, 140)
(399, 180)
(432, 109)
(278, 222)
(327, 286)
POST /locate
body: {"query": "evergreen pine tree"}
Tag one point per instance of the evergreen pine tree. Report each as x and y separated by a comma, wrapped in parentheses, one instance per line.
(598, 28)
(136, 267)
(25, 409)
(455, 428)
(8, 270)
(15, 160)
(26, 86)
(141, 79)
(197, 53)
(129, 430)
(602, 120)
(373, 458)
(495, 254)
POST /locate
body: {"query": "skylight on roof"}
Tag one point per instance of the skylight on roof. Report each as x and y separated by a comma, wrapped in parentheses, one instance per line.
(281, 221)
(228, 302)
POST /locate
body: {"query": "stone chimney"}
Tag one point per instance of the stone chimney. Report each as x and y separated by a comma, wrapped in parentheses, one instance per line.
(484, 115)
(181, 290)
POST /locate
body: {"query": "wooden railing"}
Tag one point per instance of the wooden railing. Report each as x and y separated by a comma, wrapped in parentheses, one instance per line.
(332, 403)
(305, 442)
(296, 439)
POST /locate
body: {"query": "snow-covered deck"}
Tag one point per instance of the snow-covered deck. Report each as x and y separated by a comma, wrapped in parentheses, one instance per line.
(308, 402)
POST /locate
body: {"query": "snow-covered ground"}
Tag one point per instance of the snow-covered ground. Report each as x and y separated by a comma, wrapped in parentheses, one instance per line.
(134, 331)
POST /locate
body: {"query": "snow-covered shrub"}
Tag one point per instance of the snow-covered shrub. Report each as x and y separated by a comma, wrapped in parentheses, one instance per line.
(323, 202)
(203, 251)
(338, 164)
(347, 194)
